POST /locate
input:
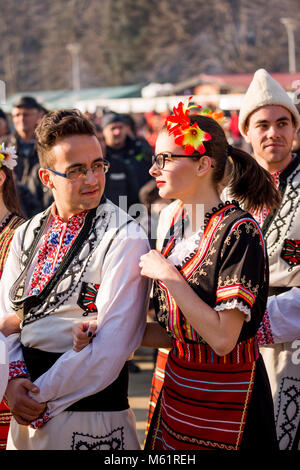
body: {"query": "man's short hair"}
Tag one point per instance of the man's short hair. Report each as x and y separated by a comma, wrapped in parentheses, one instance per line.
(57, 125)
(27, 102)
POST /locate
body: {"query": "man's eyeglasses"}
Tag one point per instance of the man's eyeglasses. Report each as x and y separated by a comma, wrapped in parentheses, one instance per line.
(160, 158)
(80, 172)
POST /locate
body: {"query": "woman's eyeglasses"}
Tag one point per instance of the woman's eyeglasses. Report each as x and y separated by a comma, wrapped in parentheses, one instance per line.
(160, 158)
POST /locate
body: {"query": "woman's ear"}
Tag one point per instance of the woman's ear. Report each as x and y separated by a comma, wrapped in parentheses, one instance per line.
(204, 164)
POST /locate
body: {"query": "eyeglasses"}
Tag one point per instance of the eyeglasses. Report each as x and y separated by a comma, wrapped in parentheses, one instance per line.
(160, 158)
(74, 174)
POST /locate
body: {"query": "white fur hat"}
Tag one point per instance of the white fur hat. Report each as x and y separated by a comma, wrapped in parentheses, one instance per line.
(263, 91)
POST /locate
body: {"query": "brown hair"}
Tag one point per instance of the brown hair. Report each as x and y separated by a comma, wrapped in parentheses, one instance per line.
(9, 192)
(56, 125)
(246, 180)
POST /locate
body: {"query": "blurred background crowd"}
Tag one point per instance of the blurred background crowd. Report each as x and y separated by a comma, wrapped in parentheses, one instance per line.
(127, 141)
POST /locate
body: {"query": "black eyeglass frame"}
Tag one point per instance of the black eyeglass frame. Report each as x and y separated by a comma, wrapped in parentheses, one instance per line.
(164, 156)
(169, 155)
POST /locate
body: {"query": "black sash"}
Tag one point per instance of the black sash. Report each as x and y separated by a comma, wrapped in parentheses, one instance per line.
(112, 398)
(277, 290)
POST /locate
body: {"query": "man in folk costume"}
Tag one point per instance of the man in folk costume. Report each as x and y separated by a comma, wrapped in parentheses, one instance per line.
(268, 121)
(76, 261)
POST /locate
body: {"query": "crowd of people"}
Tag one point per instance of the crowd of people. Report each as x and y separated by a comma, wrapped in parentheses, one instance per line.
(215, 292)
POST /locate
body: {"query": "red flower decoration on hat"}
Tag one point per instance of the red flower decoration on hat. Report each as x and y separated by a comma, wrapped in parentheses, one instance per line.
(188, 135)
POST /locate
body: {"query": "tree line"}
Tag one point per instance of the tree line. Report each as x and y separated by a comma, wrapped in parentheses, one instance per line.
(139, 41)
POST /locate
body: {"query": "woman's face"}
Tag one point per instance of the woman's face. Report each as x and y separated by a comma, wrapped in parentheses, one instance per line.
(177, 180)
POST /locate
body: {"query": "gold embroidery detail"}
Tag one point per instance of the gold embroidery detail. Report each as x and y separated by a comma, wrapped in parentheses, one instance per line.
(230, 281)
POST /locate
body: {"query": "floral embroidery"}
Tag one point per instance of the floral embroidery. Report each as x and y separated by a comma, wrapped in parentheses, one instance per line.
(261, 215)
(230, 281)
(264, 333)
(56, 243)
(39, 422)
(17, 369)
(211, 270)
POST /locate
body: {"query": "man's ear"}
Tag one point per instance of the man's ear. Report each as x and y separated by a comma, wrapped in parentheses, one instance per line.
(45, 178)
(246, 131)
(246, 137)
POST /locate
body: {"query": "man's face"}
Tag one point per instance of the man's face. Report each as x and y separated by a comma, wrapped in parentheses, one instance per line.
(115, 134)
(271, 133)
(72, 197)
(25, 120)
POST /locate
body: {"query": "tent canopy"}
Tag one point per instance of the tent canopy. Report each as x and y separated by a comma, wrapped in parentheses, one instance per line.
(68, 98)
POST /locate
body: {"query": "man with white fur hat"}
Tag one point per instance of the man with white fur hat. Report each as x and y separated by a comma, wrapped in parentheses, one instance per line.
(268, 121)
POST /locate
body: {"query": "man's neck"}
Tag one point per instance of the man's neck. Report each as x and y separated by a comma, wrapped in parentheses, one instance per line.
(273, 167)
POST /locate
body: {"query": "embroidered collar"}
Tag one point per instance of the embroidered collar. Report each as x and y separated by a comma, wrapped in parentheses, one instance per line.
(220, 206)
(180, 219)
(57, 241)
(277, 173)
(207, 227)
(79, 218)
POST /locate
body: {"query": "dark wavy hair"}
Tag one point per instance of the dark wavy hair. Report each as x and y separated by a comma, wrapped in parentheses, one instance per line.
(9, 192)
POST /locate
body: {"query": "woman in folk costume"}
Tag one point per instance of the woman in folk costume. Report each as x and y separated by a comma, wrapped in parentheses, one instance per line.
(162, 354)
(10, 219)
(210, 292)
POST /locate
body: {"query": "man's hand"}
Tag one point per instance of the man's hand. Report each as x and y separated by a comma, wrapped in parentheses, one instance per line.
(83, 334)
(23, 408)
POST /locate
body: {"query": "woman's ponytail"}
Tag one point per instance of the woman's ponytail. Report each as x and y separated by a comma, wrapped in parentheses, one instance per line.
(246, 180)
(251, 184)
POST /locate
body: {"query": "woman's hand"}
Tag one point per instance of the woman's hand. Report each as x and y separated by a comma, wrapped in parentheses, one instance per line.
(9, 324)
(83, 334)
(155, 266)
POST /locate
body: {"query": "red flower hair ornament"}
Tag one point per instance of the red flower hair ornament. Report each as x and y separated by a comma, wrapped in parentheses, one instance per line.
(216, 115)
(188, 135)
